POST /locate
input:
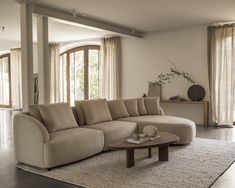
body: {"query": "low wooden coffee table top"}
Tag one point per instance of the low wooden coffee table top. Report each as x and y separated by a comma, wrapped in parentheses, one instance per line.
(162, 143)
(165, 138)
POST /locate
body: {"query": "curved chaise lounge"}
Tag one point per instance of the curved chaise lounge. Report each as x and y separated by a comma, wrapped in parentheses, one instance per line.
(184, 128)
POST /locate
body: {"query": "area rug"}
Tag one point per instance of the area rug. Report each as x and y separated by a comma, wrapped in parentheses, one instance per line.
(194, 166)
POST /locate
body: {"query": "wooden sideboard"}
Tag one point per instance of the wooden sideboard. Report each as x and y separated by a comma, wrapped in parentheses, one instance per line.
(205, 105)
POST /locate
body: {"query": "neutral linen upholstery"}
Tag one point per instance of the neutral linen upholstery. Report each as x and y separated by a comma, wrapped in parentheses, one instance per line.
(141, 106)
(80, 113)
(115, 131)
(132, 107)
(110, 68)
(74, 110)
(96, 111)
(57, 116)
(35, 112)
(221, 41)
(117, 109)
(30, 135)
(184, 128)
(152, 105)
(72, 145)
(161, 111)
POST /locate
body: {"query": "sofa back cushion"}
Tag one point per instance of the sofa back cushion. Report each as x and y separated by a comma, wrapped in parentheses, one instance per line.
(35, 112)
(74, 110)
(117, 109)
(132, 107)
(141, 106)
(57, 116)
(152, 105)
(96, 111)
(80, 113)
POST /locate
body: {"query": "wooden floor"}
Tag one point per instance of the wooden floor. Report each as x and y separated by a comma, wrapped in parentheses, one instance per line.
(11, 177)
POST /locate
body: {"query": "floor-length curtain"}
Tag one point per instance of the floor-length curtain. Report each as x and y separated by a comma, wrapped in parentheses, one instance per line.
(16, 78)
(110, 67)
(221, 73)
(56, 74)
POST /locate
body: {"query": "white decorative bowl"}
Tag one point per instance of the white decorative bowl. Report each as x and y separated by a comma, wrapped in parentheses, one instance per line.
(150, 131)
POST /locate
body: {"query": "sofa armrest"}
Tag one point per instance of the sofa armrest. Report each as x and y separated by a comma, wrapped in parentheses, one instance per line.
(29, 138)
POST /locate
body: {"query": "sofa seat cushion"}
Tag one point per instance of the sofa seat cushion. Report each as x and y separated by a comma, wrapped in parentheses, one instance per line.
(184, 128)
(72, 145)
(115, 131)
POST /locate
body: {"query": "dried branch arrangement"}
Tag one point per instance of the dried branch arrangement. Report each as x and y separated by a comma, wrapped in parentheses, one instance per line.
(174, 72)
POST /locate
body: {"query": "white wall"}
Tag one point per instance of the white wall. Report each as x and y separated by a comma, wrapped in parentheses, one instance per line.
(143, 59)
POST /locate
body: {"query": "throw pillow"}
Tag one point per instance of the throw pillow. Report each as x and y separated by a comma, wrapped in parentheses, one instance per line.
(152, 105)
(141, 106)
(57, 116)
(132, 107)
(117, 109)
(96, 111)
(80, 113)
(35, 112)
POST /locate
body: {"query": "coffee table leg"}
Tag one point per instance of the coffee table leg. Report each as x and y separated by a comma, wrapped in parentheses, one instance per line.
(150, 152)
(163, 153)
(130, 157)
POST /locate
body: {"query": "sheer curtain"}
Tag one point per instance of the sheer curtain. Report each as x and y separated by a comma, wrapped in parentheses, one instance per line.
(16, 79)
(221, 73)
(57, 93)
(110, 68)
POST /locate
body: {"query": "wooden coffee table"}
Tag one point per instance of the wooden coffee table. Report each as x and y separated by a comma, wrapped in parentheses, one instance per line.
(162, 143)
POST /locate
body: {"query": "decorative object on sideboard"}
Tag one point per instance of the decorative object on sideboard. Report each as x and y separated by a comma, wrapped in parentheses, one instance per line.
(196, 92)
(144, 95)
(154, 90)
(150, 131)
(166, 78)
(177, 98)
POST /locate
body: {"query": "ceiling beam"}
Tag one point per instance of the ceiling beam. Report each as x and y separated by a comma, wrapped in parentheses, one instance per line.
(81, 19)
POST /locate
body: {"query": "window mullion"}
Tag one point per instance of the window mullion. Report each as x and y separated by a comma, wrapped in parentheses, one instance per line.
(68, 76)
(86, 73)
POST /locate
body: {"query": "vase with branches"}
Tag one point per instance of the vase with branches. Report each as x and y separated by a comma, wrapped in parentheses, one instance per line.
(174, 72)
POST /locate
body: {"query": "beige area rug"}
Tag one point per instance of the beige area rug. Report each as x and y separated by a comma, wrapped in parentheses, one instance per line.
(195, 166)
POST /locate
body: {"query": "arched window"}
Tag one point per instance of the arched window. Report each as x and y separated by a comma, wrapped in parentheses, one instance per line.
(5, 92)
(80, 73)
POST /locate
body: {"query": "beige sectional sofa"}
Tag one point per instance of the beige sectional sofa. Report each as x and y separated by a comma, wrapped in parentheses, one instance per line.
(52, 135)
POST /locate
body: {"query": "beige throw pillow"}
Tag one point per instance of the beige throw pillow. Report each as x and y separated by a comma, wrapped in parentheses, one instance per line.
(35, 112)
(80, 113)
(57, 116)
(141, 106)
(96, 111)
(117, 109)
(152, 105)
(132, 107)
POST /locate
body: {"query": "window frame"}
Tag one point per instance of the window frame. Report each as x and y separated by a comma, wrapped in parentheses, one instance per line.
(86, 49)
(9, 68)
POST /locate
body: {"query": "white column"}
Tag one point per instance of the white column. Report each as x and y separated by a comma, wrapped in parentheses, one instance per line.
(43, 60)
(26, 54)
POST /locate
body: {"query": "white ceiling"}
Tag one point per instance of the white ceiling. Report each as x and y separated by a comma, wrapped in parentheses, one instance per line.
(144, 15)
(58, 31)
(153, 15)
